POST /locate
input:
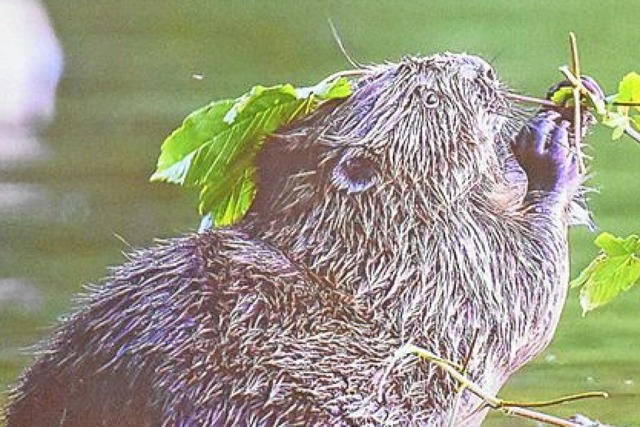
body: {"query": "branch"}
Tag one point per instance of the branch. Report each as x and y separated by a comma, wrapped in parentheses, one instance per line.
(577, 116)
(465, 368)
(513, 408)
(530, 100)
(631, 132)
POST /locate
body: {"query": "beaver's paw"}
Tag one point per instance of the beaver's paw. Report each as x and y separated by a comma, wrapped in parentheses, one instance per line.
(542, 149)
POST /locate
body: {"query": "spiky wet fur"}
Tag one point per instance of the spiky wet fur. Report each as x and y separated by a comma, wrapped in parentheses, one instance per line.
(292, 317)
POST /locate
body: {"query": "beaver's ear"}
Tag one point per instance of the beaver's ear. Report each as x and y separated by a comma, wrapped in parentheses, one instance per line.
(355, 173)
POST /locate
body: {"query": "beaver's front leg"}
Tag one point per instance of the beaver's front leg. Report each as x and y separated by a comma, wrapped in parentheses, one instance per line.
(542, 148)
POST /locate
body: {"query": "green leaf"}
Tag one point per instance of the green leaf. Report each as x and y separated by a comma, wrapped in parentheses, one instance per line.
(617, 121)
(216, 146)
(615, 269)
(611, 245)
(338, 89)
(632, 245)
(629, 88)
(562, 96)
(233, 204)
(180, 147)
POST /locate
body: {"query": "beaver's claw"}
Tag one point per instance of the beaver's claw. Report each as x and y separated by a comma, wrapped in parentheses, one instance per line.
(542, 149)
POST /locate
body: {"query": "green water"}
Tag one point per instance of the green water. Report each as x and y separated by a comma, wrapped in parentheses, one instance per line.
(129, 81)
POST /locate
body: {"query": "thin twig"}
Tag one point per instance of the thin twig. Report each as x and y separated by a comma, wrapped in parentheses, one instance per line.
(539, 416)
(530, 100)
(575, 59)
(465, 369)
(552, 402)
(491, 401)
(625, 104)
(573, 79)
(631, 132)
(577, 83)
(577, 125)
(452, 369)
(577, 114)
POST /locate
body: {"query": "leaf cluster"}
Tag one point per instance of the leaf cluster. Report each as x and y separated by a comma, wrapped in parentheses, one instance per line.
(617, 267)
(624, 108)
(215, 147)
(614, 270)
(620, 112)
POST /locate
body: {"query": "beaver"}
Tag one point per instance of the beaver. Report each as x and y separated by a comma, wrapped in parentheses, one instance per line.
(425, 208)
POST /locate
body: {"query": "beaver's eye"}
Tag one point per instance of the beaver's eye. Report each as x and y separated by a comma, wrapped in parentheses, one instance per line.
(490, 74)
(429, 98)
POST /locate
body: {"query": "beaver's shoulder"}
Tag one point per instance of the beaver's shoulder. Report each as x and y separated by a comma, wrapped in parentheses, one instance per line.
(218, 284)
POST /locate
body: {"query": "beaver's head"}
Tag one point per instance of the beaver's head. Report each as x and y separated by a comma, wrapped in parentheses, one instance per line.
(432, 121)
(433, 125)
(362, 181)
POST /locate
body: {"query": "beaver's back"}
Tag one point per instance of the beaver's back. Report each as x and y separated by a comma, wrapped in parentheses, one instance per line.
(204, 330)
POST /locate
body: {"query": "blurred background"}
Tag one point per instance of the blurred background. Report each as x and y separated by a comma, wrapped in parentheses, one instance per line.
(74, 188)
